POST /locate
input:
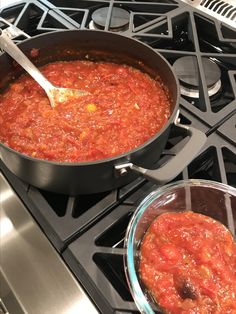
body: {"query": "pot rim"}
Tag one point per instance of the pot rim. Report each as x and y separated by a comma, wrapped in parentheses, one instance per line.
(127, 153)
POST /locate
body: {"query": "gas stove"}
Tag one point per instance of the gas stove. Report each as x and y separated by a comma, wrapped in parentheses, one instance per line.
(87, 231)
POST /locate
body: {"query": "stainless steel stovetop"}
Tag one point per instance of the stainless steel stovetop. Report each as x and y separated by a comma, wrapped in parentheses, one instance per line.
(65, 254)
(34, 279)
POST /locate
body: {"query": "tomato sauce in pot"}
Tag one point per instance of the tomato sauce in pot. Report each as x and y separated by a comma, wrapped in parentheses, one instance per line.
(124, 109)
(188, 263)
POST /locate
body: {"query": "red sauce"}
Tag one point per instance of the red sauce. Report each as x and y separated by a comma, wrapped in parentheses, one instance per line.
(188, 263)
(125, 108)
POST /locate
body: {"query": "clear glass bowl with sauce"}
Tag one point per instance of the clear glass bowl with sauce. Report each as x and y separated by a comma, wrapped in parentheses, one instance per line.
(210, 198)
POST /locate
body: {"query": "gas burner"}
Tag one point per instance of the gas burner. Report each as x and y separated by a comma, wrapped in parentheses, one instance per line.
(187, 71)
(119, 19)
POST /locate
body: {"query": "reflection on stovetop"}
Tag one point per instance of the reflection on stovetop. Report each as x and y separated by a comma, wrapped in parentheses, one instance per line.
(88, 230)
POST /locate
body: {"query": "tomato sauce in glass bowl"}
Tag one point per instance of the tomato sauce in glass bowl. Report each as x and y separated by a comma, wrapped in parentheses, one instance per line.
(180, 256)
(188, 263)
(124, 109)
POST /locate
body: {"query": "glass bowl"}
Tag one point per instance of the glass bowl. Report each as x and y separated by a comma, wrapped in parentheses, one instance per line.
(210, 198)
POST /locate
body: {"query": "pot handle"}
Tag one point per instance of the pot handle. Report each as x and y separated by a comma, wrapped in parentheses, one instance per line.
(173, 167)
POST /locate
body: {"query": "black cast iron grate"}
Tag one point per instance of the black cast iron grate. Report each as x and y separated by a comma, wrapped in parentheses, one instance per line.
(89, 230)
(103, 243)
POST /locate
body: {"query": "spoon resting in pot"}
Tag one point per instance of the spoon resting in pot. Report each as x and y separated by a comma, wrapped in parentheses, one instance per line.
(55, 94)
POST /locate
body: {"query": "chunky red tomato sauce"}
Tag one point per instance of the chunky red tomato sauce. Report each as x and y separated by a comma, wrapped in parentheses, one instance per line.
(188, 263)
(125, 108)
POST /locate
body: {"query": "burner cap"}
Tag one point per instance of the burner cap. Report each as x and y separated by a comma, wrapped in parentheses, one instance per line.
(119, 18)
(187, 71)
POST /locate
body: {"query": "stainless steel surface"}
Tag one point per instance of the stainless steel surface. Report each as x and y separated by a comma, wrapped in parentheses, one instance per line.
(223, 10)
(194, 93)
(33, 277)
(55, 94)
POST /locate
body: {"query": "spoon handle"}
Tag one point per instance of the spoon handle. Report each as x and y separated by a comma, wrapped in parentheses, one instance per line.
(11, 48)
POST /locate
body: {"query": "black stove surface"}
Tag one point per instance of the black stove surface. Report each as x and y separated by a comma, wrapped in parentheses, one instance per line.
(88, 230)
